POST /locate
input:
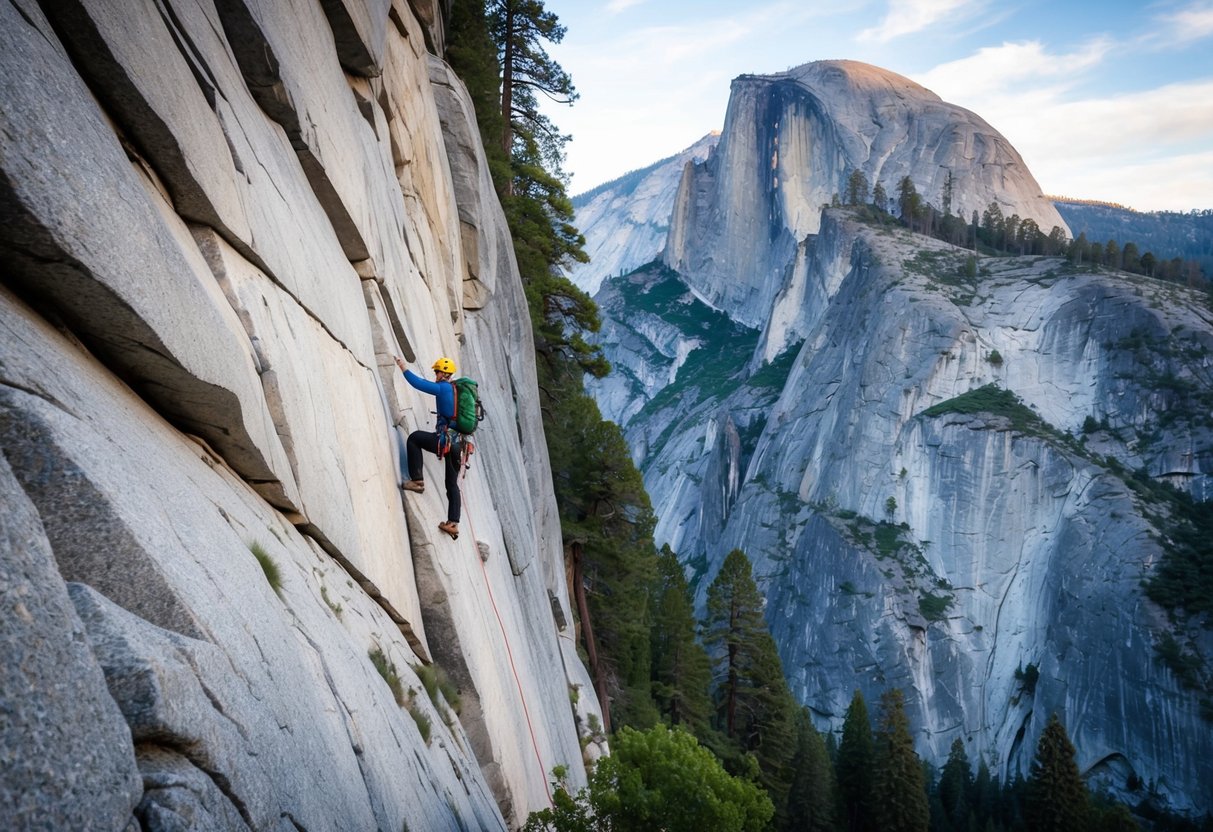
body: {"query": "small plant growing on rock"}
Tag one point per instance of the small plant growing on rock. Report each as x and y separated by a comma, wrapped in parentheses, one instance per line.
(388, 671)
(1028, 677)
(336, 608)
(272, 575)
(424, 725)
(435, 681)
(995, 358)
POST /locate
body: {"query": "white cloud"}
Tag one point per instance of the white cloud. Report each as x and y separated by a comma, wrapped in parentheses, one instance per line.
(1146, 148)
(1177, 183)
(994, 70)
(617, 6)
(1189, 24)
(907, 16)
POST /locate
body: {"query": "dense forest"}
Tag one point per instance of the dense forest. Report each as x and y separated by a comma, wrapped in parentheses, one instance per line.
(705, 734)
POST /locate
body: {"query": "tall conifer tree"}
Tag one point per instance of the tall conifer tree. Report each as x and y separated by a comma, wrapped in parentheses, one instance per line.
(811, 792)
(854, 769)
(1057, 798)
(754, 706)
(681, 673)
(956, 785)
(898, 786)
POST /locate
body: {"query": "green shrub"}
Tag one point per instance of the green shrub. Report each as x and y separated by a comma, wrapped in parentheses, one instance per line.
(1028, 677)
(995, 358)
(424, 726)
(324, 594)
(933, 607)
(434, 679)
(388, 671)
(272, 574)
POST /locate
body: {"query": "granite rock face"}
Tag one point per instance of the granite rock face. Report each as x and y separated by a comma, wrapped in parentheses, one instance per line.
(222, 221)
(943, 551)
(625, 221)
(789, 143)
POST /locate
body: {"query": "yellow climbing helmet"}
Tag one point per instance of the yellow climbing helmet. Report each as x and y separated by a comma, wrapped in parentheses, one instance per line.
(444, 365)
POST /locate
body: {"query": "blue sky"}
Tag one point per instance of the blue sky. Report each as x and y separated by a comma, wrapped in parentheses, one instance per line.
(1105, 100)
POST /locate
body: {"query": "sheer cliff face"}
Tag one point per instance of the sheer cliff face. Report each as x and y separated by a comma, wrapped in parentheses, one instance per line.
(952, 552)
(221, 223)
(789, 143)
(625, 222)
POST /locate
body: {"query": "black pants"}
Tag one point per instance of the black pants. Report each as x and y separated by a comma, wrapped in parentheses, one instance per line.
(427, 440)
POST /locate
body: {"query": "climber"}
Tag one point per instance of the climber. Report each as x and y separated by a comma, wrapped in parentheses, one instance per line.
(443, 440)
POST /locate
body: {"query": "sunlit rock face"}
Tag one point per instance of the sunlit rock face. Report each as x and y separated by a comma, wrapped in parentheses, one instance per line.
(625, 221)
(789, 144)
(952, 554)
(221, 224)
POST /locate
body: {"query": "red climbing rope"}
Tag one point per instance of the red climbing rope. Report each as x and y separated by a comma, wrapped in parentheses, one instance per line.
(543, 773)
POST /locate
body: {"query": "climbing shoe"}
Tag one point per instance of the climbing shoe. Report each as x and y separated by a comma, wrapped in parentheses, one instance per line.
(417, 486)
(449, 528)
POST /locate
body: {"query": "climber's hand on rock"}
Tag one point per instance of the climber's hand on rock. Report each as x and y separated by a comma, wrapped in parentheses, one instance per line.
(400, 364)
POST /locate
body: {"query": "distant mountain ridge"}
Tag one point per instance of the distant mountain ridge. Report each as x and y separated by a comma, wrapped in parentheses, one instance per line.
(1185, 234)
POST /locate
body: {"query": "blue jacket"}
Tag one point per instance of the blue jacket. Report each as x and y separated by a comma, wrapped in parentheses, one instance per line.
(443, 391)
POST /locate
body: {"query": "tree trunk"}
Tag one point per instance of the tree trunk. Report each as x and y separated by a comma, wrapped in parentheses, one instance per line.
(587, 633)
(507, 88)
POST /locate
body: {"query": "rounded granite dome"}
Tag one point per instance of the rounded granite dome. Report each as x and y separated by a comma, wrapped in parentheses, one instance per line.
(851, 78)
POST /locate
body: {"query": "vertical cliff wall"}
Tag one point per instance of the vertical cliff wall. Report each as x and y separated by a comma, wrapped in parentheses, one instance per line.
(220, 222)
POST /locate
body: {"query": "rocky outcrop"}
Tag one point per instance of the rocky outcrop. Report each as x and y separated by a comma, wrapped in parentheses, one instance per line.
(789, 143)
(954, 552)
(221, 223)
(625, 221)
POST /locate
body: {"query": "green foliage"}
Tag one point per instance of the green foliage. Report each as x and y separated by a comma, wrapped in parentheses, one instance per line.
(434, 680)
(992, 399)
(934, 607)
(1183, 580)
(856, 757)
(1057, 797)
(680, 669)
(956, 786)
(272, 574)
(605, 509)
(658, 779)
(811, 793)
(995, 358)
(1028, 677)
(335, 607)
(754, 708)
(424, 726)
(897, 781)
(387, 669)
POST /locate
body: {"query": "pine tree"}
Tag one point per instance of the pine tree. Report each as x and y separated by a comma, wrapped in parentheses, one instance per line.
(857, 188)
(519, 28)
(754, 707)
(854, 770)
(956, 785)
(908, 202)
(898, 786)
(1057, 799)
(811, 793)
(880, 197)
(680, 668)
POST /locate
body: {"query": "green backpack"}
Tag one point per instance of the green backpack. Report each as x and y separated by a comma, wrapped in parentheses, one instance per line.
(469, 412)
